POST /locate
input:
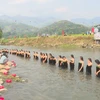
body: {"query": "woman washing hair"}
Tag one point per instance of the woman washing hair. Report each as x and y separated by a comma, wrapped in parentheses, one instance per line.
(97, 68)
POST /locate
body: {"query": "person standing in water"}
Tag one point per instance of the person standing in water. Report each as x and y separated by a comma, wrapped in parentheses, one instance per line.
(97, 68)
(89, 66)
(81, 64)
(72, 61)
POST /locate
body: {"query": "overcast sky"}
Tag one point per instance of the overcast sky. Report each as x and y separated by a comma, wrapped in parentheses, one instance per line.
(65, 9)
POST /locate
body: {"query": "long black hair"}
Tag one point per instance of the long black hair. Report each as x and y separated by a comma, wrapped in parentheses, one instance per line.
(90, 59)
(97, 61)
(81, 58)
(72, 55)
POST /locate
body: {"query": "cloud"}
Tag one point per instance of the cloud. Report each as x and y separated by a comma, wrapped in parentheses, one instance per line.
(26, 1)
(41, 1)
(17, 1)
(61, 10)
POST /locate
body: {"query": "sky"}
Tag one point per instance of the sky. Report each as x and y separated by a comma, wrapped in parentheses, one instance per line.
(65, 9)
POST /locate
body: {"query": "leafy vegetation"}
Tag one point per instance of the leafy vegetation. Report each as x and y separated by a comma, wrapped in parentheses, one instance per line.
(1, 33)
(17, 29)
(65, 25)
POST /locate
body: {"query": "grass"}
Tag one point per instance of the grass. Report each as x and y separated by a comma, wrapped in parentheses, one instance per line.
(69, 41)
(65, 46)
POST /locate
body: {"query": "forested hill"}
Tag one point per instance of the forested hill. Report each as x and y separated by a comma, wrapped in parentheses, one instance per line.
(16, 29)
(65, 25)
(19, 29)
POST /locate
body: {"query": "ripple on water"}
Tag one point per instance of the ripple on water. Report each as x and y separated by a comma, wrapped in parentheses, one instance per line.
(47, 82)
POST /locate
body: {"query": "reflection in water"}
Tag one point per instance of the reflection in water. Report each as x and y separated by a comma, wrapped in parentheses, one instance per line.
(46, 82)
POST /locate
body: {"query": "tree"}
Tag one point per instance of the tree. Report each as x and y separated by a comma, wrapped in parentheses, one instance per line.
(1, 33)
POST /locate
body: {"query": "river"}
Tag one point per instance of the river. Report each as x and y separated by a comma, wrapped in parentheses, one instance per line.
(46, 82)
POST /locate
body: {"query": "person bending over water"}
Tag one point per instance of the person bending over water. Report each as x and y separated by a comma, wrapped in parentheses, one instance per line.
(41, 56)
(22, 53)
(89, 66)
(28, 54)
(36, 56)
(72, 61)
(45, 58)
(64, 62)
(97, 68)
(50, 57)
(81, 64)
(53, 60)
(59, 60)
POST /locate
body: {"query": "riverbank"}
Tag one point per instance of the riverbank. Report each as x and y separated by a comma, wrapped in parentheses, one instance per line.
(71, 41)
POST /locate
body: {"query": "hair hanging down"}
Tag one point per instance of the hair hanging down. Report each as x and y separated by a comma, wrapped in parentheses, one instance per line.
(81, 58)
(72, 55)
(90, 59)
(97, 61)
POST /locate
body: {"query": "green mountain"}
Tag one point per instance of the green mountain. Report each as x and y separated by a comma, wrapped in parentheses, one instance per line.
(16, 29)
(65, 25)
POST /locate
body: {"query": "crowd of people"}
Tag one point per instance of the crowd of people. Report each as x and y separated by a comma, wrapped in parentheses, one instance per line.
(5, 76)
(5, 64)
(61, 61)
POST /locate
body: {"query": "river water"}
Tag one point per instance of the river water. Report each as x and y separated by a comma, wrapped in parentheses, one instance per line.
(47, 82)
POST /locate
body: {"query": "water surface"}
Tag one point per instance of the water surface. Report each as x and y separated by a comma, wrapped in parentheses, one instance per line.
(47, 82)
